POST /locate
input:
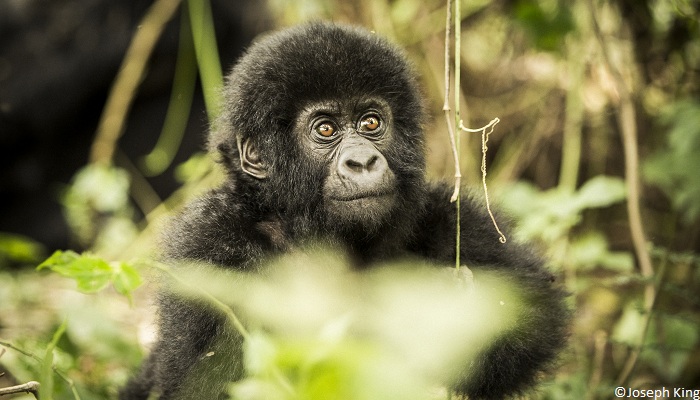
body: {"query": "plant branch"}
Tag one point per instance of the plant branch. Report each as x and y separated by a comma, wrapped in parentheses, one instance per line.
(208, 63)
(36, 358)
(446, 104)
(112, 121)
(457, 116)
(29, 387)
(573, 121)
(626, 120)
(179, 105)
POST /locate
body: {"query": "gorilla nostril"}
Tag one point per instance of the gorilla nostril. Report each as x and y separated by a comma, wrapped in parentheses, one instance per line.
(354, 165)
(372, 162)
(360, 163)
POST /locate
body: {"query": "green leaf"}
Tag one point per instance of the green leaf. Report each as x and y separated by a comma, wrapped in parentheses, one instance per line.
(628, 329)
(210, 74)
(18, 249)
(95, 194)
(405, 11)
(59, 257)
(591, 251)
(587, 251)
(93, 273)
(601, 191)
(619, 261)
(550, 215)
(126, 278)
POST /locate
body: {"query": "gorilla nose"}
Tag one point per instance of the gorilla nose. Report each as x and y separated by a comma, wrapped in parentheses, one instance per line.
(362, 165)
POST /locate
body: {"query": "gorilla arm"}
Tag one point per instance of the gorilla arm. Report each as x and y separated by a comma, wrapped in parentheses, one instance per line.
(198, 353)
(515, 359)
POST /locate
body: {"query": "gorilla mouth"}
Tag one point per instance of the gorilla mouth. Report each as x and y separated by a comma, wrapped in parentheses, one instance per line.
(366, 209)
(362, 196)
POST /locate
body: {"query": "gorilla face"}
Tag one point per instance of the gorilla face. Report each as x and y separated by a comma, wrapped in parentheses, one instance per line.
(344, 141)
(330, 117)
(348, 138)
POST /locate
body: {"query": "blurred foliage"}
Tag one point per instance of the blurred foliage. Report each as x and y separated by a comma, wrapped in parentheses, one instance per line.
(341, 334)
(550, 215)
(92, 273)
(19, 250)
(546, 22)
(98, 209)
(555, 162)
(675, 167)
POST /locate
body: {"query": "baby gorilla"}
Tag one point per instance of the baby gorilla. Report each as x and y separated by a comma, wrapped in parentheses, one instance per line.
(322, 140)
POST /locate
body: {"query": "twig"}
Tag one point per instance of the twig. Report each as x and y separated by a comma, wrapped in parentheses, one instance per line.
(484, 148)
(573, 121)
(29, 387)
(628, 126)
(446, 104)
(122, 94)
(457, 16)
(179, 105)
(36, 358)
(600, 339)
(141, 191)
(207, 55)
(626, 120)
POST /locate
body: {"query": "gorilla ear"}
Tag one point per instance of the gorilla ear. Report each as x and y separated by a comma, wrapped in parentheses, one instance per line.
(251, 163)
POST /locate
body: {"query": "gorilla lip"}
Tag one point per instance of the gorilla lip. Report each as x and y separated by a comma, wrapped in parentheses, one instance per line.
(362, 196)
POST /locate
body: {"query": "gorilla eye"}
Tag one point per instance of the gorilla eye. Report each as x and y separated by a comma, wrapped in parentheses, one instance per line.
(369, 123)
(325, 129)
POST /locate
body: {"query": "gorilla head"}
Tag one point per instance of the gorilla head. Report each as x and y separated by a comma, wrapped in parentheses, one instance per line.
(330, 116)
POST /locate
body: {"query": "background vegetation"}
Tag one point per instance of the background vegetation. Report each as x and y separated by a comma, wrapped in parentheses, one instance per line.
(597, 157)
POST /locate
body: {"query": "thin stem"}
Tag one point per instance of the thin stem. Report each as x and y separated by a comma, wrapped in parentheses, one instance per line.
(457, 91)
(207, 55)
(626, 120)
(649, 302)
(36, 358)
(175, 123)
(446, 105)
(141, 191)
(111, 125)
(572, 135)
(600, 339)
(29, 387)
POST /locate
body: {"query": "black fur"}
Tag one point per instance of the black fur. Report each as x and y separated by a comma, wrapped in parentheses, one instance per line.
(249, 219)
